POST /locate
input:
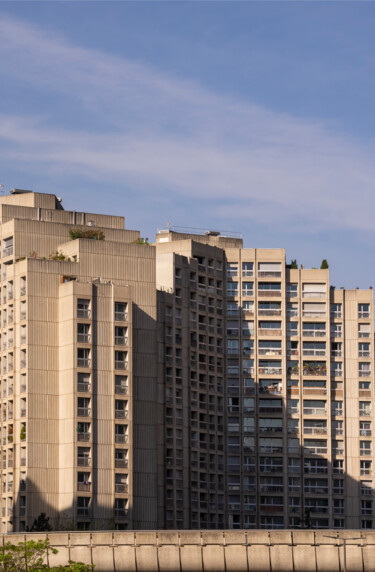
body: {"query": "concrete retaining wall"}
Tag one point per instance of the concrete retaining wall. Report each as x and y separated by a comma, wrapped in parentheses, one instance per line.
(213, 551)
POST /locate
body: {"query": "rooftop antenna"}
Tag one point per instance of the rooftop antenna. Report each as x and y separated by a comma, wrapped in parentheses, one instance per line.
(2, 189)
(169, 225)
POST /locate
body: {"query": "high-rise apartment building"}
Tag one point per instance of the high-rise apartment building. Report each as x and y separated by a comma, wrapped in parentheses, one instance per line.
(187, 384)
(283, 364)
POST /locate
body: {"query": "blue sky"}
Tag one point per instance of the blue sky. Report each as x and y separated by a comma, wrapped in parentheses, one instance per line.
(255, 117)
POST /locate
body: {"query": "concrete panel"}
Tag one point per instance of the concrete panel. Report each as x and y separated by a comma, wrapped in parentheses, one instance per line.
(258, 558)
(190, 537)
(125, 558)
(191, 558)
(304, 558)
(353, 558)
(327, 558)
(169, 558)
(102, 557)
(281, 558)
(146, 558)
(368, 558)
(236, 558)
(213, 558)
(81, 554)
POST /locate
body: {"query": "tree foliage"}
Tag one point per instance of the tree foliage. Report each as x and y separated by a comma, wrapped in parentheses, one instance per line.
(324, 265)
(31, 556)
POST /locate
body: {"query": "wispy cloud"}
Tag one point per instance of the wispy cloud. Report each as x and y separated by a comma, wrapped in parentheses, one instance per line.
(151, 130)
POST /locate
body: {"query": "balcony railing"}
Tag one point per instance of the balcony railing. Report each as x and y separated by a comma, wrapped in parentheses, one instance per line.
(121, 463)
(314, 411)
(83, 387)
(314, 333)
(270, 370)
(364, 373)
(121, 413)
(365, 412)
(84, 338)
(121, 488)
(121, 364)
(83, 362)
(121, 438)
(315, 450)
(363, 315)
(83, 461)
(83, 411)
(84, 436)
(121, 512)
(268, 332)
(83, 511)
(315, 430)
(83, 313)
(121, 340)
(8, 250)
(84, 487)
(269, 312)
(316, 314)
(121, 389)
(269, 293)
(314, 352)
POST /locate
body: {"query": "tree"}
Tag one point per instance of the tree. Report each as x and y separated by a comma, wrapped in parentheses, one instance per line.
(324, 265)
(40, 524)
(293, 264)
(31, 556)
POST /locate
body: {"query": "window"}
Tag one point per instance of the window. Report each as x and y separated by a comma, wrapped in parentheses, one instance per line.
(365, 467)
(366, 507)
(121, 313)
(121, 360)
(365, 408)
(336, 310)
(83, 357)
(232, 309)
(269, 269)
(247, 288)
(83, 333)
(366, 488)
(83, 505)
(232, 269)
(83, 382)
(292, 290)
(365, 448)
(232, 289)
(363, 349)
(247, 269)
(314, 290)
(363, 310)
(364, 330)
(83, 308)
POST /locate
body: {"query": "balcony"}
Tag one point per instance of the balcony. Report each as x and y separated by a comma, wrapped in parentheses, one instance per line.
(268, 332)
(121, 340)
(83, 387)
(269, 352)
(314, 295)
(121, 463)
(121, 316)
(121, 413)
(8, 251)
(83, 461)
(121, 364)
(83, 411)
(314, 352)
(121, 389)
(316, 314)
(269, 293)
(83, 338)
(365, 432)
(315, 450)
(121, 488)
(121, 512)
(269, 370)
(84, 436)
(364, 373)
(83, 362)
(314, 411)
(365, 412)
(84, 487)
(363, 315)
(314, 333)
(83, 511)
(83, 313)
(315, 430)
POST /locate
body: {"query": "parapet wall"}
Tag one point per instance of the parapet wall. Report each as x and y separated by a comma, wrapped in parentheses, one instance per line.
(213, 551)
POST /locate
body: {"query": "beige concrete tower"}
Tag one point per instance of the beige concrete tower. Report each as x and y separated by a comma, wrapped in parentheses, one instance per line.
(78, 365)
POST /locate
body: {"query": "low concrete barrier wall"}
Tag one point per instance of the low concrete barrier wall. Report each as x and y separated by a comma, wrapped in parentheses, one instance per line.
(213, 551)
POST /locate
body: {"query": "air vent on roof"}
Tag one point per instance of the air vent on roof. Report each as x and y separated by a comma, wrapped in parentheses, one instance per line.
(212, 233)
